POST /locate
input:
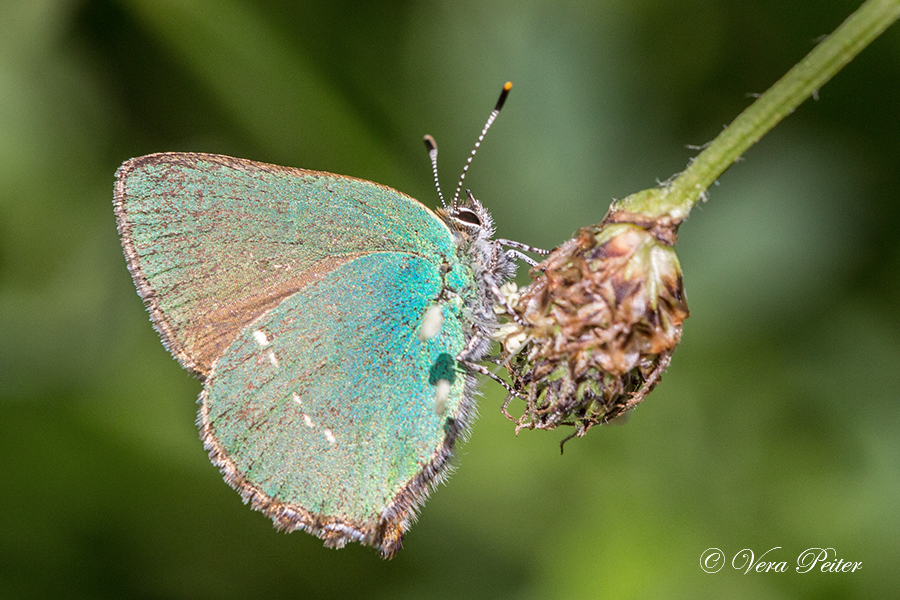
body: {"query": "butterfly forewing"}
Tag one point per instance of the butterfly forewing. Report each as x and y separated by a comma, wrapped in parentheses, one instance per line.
(213, 241)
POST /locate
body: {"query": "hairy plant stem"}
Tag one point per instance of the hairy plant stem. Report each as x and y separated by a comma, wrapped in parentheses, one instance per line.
(676, 198)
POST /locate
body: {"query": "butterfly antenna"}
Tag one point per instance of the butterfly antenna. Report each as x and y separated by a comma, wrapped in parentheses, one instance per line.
(432, 154)
(503, 94)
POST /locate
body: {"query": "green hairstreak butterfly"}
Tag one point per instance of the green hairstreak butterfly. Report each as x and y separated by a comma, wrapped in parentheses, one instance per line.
(334, 322)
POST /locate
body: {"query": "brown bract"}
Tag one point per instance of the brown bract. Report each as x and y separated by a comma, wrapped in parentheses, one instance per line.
(592, 334)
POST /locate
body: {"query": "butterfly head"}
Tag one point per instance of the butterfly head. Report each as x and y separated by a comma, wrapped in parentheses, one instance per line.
(469, 218)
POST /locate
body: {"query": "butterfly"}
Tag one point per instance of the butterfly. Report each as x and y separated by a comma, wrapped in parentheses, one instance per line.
(336, 325)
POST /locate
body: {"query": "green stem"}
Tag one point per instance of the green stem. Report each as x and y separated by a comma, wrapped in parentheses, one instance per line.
(678, 197)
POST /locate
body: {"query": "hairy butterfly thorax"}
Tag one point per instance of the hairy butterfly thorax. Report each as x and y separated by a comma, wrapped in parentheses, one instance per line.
(473, 230)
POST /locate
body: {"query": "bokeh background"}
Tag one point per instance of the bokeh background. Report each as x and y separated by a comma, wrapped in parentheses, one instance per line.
(776, 425)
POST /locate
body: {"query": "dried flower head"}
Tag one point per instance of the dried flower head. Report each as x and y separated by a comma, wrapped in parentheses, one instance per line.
(590, 337)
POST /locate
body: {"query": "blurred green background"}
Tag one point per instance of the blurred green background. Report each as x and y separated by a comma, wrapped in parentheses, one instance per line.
(776, 425)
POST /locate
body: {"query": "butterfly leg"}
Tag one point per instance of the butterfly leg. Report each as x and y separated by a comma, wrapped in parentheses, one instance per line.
(502, 268)
(476, 347)
(513, 254)
(523, 247)
(481, 369)
(464, 358)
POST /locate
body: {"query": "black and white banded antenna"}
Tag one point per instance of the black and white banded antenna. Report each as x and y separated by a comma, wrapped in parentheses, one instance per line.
(432, 154)
(431, 145)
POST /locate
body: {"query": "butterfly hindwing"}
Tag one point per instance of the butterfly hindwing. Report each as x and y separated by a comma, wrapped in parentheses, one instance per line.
(325, 417)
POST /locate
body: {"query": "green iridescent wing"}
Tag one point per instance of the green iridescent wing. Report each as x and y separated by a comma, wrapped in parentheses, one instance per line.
(298, 297)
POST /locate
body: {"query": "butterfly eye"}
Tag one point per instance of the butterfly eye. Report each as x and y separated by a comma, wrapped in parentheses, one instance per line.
(467, 216)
